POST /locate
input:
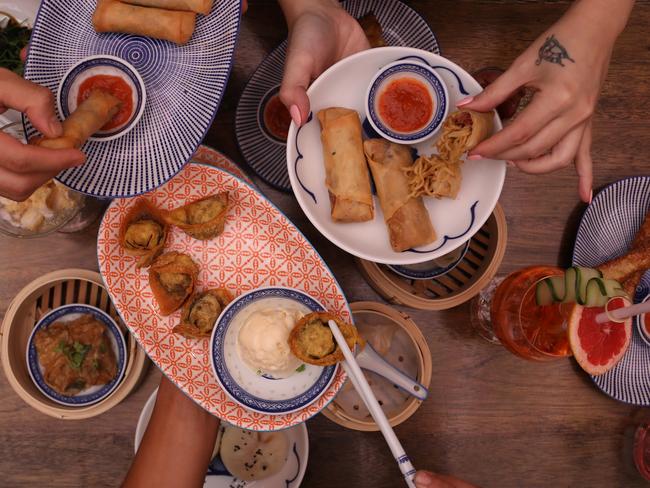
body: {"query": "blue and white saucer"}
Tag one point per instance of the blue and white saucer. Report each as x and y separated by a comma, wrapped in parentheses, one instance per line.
(263, 150)
(89, 395)
(184, 88)
(606, 231)
(259, 391)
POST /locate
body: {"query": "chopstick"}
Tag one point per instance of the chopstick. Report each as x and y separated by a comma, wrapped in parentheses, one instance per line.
(623, 312)
(363, 388)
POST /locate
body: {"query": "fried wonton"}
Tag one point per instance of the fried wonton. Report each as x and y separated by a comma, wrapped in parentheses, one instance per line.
(201, 311)
(202, 219)
(172, 278)
(143, 232)
(312, 341)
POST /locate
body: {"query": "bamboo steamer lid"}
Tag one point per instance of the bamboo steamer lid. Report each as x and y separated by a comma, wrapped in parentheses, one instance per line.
(45, 293)
(479, 265)
(366, 314)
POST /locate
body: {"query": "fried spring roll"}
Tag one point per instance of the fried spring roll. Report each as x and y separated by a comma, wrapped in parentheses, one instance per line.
(346, 171)
(169, 25)
(620, 268)
(407, 219)
(90, 116)
(462, 131)
(642, 238)
(198, 6)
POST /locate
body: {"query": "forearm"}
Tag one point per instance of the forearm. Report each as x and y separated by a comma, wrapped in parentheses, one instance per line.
(608, 17)
(293, 8)
(177, 445)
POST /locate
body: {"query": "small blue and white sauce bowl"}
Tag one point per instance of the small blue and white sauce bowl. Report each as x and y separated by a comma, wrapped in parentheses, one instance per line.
(396, 90)
(431, 269)
(251, 358)
(91, 394)
(103, 65)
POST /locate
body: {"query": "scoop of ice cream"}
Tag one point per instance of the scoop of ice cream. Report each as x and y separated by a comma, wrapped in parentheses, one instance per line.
(263, 342)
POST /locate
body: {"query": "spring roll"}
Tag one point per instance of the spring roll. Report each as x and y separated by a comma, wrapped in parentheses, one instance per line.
(462, 131)
(407, 219)
(169, 25)
(198, 6)
(90, 116)
(346, 172)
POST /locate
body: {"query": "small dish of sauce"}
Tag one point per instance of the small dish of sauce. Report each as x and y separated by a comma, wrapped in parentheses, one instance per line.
(117, 87)
(405, 104)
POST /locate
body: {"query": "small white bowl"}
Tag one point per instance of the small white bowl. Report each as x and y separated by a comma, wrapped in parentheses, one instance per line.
(641, 320)
(102, 65)
(429, 78)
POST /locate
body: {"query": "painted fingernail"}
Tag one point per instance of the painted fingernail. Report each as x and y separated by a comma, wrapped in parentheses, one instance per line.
(510, 164)
(464, 101)
(55, 127)
(295, 115)
(475, 157)
(423, 479)
(591, 196)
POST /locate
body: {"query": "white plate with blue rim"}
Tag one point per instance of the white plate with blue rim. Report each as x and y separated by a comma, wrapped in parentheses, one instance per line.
(89, 395)
(455, 221)
(218, 476)
(431, 269)
(180, 106)
(261, 143)
(256, 389)
(606, 231)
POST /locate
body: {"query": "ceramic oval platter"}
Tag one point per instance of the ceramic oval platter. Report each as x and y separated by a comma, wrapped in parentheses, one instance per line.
(455, 220)
(184, 87)
(259, 247)
(606, 231)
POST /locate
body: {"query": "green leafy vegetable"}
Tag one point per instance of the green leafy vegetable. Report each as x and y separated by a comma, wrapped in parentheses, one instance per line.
(300, 368)
(75, 352)
(13, 38)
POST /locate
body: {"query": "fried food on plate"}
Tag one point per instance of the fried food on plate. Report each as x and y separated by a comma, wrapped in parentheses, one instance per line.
(143, 232)
(202, 219)
(201, 311)
(172, 278)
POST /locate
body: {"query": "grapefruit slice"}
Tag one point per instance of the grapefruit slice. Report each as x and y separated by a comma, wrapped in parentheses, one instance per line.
(598, 347)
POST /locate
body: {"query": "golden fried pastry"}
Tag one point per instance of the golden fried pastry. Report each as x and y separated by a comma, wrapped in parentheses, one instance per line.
(172, 278)
(642, 238)
(311, 340)
(143, 232)
(201, 311)
(202, 219)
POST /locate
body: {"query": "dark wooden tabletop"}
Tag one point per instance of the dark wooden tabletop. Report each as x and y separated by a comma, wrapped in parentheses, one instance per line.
(491, 418)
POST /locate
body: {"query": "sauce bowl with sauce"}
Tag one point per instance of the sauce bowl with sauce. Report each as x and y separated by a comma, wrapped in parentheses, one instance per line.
(407, 102)
(111, 74)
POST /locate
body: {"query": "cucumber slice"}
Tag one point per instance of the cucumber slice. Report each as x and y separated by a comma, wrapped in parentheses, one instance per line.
(583, 276)
(599, 291)
(550, 290)
(570, 282)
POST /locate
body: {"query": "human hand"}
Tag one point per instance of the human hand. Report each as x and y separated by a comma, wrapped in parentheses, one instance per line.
(426, 479)
(321, 33)
(566, 66)
(23, 168)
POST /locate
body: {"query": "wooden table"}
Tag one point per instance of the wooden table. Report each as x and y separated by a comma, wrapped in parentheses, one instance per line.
(491, 418)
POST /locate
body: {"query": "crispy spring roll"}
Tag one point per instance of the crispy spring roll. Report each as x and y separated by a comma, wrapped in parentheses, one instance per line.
(620, 268)
(198, 6)
(407, 219)
(346, 172)
(169, 25)
(90, 116)
(642, 238)
(462, 131)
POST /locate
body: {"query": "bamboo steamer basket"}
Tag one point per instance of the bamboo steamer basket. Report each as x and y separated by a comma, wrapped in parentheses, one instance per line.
(421, 350)
(479, 265)
(45, 293)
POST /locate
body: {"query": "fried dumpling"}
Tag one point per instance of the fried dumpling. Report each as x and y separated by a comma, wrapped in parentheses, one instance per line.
(143, 232)
(201, 311)
(172, 278)
(202, 219)
(312, 341)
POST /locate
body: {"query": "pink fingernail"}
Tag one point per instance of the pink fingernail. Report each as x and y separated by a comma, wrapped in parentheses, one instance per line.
(475, 157)
(295, 115)
(465, 101)
(591, 196)
(510, 164)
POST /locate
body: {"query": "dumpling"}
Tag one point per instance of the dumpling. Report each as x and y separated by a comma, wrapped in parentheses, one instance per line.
(202, 219)
(143, 232)
(252, 456)
(201, 311)
(172, 278)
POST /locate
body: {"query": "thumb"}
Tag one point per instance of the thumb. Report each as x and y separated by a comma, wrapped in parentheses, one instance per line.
(494, 94)
(293, 92)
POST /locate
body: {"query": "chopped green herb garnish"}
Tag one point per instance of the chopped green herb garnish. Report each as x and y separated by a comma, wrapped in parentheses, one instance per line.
(102, 347)
(300, 368)
(75, 352)
(13, 38)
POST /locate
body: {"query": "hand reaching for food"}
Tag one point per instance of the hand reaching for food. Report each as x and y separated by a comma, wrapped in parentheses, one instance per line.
(23, 168)
(566, 66)
(321, 33)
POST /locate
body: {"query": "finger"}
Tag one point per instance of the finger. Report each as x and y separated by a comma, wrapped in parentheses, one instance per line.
(19, 187)
(23, 54)
(584, 166)
(36, 101)
(26, 158)
(293, 92)
(561, 155)
(244, 6)
(495, 93)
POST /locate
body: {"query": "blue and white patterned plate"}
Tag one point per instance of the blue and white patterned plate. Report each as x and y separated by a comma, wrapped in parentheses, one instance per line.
(401, 25)
(259, 391)
(606, 231)
(184, 87)
(89, 395)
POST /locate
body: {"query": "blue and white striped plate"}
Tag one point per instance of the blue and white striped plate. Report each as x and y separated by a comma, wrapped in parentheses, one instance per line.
(606, 231)
(401, 26)
(184, 87)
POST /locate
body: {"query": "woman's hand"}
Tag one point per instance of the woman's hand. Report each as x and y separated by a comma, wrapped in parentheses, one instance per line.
(566, 66)
(426, 479)
(23, 168)
(321, 33)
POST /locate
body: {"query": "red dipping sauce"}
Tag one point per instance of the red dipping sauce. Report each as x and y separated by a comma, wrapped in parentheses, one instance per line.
(117, 87)
(277, 118)
(405, 105)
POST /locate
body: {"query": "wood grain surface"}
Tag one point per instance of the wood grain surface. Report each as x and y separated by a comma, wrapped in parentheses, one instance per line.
(491, 418)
